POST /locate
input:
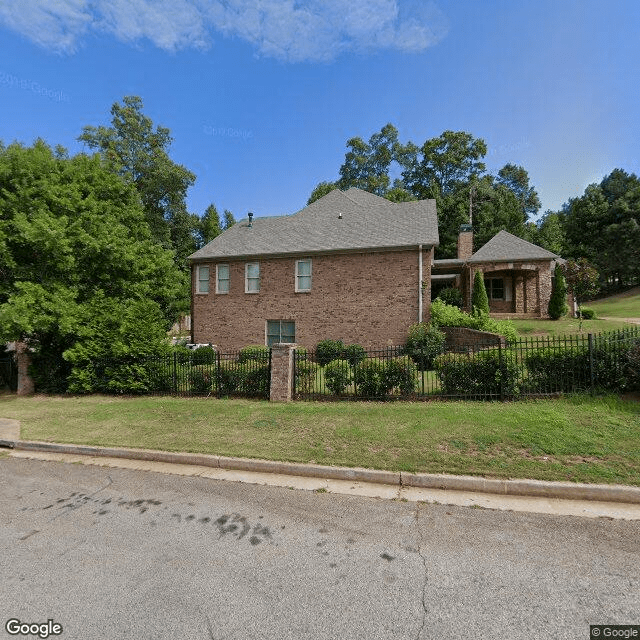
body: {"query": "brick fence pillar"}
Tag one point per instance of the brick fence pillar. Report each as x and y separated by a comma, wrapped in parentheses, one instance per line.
(281, 372)
(23, 360)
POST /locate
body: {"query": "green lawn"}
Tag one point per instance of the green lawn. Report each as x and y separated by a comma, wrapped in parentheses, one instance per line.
(566, 326)
(580, 439)
(625, 305)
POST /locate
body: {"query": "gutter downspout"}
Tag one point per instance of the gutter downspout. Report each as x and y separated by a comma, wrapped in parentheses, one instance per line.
(419, 283)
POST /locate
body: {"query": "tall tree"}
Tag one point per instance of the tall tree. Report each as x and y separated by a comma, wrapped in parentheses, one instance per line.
(366, 164)
(516, 179)
(228, 220)
(209, 227)
(582, 281)
(140, 153)
(321, 190)
(72, 232)
(442, 164)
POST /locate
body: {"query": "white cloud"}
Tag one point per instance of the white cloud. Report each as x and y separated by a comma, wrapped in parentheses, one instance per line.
(289, 30)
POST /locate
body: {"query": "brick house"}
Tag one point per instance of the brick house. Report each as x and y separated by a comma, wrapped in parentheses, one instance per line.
(350, 266)
(518, 275)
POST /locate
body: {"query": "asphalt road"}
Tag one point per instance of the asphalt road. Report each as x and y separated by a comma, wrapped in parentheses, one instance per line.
(114, 553)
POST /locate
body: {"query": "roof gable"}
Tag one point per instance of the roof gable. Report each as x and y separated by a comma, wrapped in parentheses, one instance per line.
(339, 221)
(504, 247)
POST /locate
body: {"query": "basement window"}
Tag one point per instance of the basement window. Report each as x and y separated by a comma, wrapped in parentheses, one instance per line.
(280, 331)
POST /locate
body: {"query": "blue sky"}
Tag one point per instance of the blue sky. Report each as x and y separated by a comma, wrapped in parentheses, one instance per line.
(262, 95)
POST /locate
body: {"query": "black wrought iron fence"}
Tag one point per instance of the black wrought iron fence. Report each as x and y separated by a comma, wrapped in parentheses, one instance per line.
(8, 373)
(528, 368)
(186, 374)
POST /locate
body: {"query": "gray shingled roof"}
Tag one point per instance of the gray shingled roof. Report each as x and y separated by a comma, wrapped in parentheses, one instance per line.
(504, 246)
(367, 222)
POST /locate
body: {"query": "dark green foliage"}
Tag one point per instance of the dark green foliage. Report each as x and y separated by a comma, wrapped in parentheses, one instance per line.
(452, 296)
(202, 379)
(632, 367)
(479, 298)
(558, 301)
(306, 372)
(203, 355)
(370, 379)
(588, 313)
(424, 343)
(337, 376)
(328, 350)
(401, 374)
(492, 373)
(254, 378)
(115, 341)
(228, 378)
(561, 368)
(254, 352)
(354, 353)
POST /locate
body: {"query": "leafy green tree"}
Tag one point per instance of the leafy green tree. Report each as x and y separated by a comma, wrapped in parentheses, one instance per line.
(516, 179)
(71, 232)
(558, 301)
(441, 164)
(366, 164)
(582, 281)
(138, 152)
(479, 298)
(228, 220)
(209, 227)
(550, 233)
(321, 190)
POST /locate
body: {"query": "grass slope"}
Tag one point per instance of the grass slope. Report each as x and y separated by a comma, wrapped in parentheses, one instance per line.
(580, 439)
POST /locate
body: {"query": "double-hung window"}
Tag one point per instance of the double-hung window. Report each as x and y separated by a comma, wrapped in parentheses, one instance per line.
(280, 331)
(252, 277)
(202, 279)
(222, 278)
(303, 275)
(495, 288)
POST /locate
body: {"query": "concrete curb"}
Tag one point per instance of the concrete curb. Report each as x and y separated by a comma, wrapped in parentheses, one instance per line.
(523, 488)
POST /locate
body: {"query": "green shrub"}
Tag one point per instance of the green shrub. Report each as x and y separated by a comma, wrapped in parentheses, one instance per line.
(228, 378)
(486, 373)
(558, 306)
(337, 376)
(354, 353)
(253, 378)
(370, 378)
(588, 313)
(444, 315)
(451, 296)
(254, 352)
(632, 368)
(302, 353)
(424, 343)
(479, 298)
(306, 372)
(558, 368)
(402, 374)
(203, 355)
(201, 378)
(328, 350)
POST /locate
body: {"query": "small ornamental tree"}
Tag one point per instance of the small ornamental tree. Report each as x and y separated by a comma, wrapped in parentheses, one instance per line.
(479, 299)
(558, 306)
(582, 281)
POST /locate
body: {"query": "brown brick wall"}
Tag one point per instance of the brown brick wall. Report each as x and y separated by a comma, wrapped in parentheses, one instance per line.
(366, 298)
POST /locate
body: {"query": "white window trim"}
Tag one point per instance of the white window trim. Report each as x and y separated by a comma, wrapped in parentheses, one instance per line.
(246, 277)
(218, 279)
(198, 279)
(266, 330)
(310, 276)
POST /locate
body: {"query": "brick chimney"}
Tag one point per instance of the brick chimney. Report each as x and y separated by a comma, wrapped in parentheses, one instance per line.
(465, 242)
